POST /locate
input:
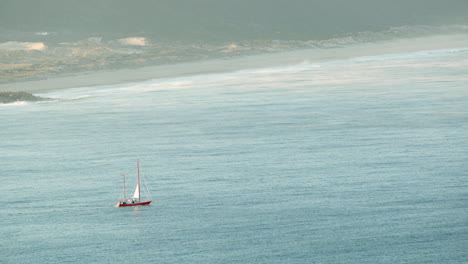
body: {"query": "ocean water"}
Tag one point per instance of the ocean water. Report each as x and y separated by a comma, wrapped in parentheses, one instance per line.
(354, 161)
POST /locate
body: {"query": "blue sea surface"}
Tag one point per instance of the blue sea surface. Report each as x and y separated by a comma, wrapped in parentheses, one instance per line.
(355, 161)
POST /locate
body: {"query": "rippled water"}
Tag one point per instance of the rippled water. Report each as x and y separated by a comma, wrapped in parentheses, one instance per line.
(355, 161)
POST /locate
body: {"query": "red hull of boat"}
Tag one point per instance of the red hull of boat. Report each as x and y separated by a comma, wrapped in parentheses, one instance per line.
(134, 204)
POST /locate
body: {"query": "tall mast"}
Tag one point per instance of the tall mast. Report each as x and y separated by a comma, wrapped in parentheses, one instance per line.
(138, 165)
(124, 187)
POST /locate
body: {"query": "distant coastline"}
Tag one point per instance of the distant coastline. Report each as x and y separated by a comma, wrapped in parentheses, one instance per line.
(130, 75)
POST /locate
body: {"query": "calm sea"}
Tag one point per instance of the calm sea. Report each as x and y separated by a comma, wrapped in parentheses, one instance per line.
(354, 161)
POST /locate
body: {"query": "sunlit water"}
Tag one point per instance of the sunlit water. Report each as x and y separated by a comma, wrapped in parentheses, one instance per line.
(355, 161)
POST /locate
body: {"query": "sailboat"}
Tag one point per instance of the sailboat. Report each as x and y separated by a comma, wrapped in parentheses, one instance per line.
(135, 200)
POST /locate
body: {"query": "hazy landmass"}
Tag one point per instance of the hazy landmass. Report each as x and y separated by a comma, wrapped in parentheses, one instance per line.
(23, 61)
(45, 39)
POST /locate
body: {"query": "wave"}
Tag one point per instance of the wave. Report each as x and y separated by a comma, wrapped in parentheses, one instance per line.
(74, 98)
(17, 103)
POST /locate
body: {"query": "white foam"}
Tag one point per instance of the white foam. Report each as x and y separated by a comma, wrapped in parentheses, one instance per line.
(18, 103)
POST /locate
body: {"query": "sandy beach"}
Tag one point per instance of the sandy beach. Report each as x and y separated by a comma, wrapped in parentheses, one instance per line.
(99, 78)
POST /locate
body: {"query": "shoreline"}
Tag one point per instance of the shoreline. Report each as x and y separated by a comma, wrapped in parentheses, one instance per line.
(122, 76)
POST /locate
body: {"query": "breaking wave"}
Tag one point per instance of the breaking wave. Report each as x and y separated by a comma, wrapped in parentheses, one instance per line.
(18, 103)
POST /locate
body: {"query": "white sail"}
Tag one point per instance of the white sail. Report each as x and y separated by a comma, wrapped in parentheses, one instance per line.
(136, 195)
(136, 198)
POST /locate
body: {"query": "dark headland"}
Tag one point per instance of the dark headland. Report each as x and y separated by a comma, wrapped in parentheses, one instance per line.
(11, 97)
